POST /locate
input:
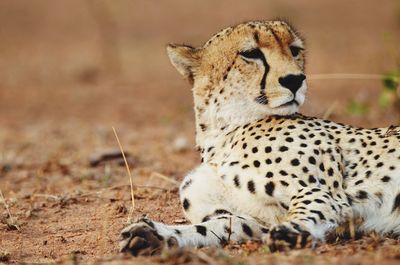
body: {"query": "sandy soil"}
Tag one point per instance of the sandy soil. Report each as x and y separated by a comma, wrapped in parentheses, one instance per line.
(63, 85)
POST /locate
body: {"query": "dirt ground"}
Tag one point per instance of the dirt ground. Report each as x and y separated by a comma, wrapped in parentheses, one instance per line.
(70, 70)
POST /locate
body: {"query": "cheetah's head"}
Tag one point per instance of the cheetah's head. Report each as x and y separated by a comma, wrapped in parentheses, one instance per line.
(245, 72)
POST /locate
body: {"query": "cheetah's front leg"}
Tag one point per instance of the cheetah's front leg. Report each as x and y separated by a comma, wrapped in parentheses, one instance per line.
(147, 237)
(205, 202)
(313, 212)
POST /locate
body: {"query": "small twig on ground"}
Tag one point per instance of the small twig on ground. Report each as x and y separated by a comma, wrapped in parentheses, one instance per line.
(47, 196)
(125, 185)
(13, 223)
(94, 193)
(163, 177)
(130, 176)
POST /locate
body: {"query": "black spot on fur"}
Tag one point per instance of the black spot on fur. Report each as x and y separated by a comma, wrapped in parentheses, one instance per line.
(289, 139)
(295, 162)
(203, 127)
(311, 179)
(247, 230)
(362, 195)
(312, 219)
(284, 183)
(335, 184)
(201, 229)
(283, 148)
(264, 230)
(283, 173)
(186, 204)
(222, 211)
(302, 183)
(349, 199)
(269, 188)
(385, 179)
(320, 214)
(236, 181)
(358, 182)
(205, 219)
(284, 206)
(186, 184)
(251, 187)
(396, 203)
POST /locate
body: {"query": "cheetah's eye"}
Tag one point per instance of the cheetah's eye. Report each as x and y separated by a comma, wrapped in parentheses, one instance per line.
(295, 50)
(252, 54)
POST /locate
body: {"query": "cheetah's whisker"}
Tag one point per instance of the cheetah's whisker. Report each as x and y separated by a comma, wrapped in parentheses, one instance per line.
(344, 76)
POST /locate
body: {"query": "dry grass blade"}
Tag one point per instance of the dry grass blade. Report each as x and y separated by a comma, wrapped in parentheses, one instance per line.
(344, 76)
(352, 229)
(13, 223)
(352, 226)
(47, 196)
(163, 177)
(130, 176)
(330, 110)
(230, 229)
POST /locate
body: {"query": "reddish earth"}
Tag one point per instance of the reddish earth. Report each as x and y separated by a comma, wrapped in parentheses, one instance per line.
(67, 77)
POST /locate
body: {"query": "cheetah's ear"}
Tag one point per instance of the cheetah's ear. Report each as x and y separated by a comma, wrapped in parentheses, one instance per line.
(185, 59)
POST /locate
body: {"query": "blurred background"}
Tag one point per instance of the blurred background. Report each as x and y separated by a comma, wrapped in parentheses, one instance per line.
(104, 61)
(69, 70)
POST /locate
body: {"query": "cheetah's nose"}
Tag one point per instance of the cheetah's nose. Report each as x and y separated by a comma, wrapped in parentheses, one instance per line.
(292, 82)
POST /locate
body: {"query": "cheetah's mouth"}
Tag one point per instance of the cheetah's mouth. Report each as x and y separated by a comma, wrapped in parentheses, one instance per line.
(290, 103)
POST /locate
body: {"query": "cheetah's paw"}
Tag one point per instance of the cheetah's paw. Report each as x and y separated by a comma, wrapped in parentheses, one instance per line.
(140, 238)
(288, 236)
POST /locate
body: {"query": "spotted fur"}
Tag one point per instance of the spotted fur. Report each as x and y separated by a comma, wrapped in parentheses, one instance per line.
(267, 172)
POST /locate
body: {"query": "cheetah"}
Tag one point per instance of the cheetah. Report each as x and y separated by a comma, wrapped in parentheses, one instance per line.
(268, 173)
